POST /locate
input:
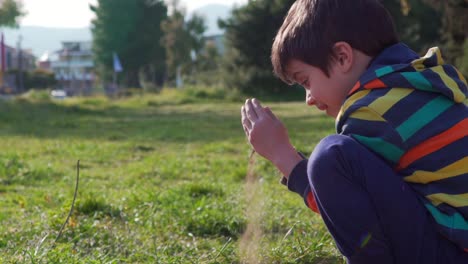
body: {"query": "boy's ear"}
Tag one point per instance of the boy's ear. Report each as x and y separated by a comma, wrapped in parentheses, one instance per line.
(343, 56)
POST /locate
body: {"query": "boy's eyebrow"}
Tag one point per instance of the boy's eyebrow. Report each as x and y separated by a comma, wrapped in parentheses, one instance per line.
(294, 75)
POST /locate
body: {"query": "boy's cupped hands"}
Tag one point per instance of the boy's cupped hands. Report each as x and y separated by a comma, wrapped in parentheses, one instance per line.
(268, 136)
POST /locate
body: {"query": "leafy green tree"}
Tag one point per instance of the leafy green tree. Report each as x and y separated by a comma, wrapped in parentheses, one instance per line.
(183, 39)
(251, 29)
(206, 71)
(418, 24)
(10, 11)
(208, 59)
(146, 41)
(249, 36)
(425, 23)
(132, 30)
(462, 62)
(454, 32)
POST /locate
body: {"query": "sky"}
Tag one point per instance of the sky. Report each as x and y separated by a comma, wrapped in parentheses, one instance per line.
(76, 13)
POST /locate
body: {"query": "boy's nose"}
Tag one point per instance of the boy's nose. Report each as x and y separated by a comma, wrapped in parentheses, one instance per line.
(309, 99)
(310, 102)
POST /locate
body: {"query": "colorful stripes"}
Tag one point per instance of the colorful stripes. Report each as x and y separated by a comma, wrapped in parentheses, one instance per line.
(417, 80)
(424, 177)
(368, 114)
(423, 116)
(382, 104)
(382, 147)
(433, 54)
(355, 88)
(435, 143)
(375, 84)
(351, 101)
(416, 118)
(311, 203)
(450, 83)
(459, 200)
(460, 76)
(383, 71)
(455, 221)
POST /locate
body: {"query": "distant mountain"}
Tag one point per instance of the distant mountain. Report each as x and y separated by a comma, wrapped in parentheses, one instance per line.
(212, 13)
(43, 39)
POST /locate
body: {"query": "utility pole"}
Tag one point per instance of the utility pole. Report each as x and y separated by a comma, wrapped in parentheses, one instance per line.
(3, 62)
(20, 65)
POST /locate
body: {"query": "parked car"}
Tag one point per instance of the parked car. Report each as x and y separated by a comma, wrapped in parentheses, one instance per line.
(58, 94)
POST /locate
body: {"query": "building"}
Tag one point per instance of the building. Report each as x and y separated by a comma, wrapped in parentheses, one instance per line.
(44, 62)
(73, 67)
(15, 63)
(217, 41)
(16, 59)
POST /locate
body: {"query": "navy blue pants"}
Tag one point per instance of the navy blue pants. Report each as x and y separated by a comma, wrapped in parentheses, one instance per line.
(372, 214)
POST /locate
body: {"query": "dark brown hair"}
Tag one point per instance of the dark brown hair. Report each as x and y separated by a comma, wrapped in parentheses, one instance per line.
(312, 27)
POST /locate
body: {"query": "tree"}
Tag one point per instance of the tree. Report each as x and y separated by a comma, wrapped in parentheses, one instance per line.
(417, 23)
(10, 11)
(150, 54)
(131, 29)
(249, 36)
(251, 29)
(183, 40)
(462, 62)
(425, 23)
(454, 33)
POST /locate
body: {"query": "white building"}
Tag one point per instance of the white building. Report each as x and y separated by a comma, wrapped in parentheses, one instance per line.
(73, 67)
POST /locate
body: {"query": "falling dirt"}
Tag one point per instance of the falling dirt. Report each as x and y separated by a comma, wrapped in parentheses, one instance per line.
(250, 242)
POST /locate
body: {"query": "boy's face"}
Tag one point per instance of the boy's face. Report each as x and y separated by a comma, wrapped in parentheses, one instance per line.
(326, 93)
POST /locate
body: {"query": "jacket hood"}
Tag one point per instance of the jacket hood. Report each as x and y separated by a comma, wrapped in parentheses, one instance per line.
(399, 66)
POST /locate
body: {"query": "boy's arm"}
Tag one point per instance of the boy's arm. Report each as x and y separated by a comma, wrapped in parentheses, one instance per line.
(298, 182)
(269, 138)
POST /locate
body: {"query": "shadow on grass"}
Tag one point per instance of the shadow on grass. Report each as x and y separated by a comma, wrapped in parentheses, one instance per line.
(50, 120)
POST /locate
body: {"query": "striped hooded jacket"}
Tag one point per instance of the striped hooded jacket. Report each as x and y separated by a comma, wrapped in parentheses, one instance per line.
(413, 112)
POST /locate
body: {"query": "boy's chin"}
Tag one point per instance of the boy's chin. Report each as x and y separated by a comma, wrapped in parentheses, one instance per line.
(331, 112)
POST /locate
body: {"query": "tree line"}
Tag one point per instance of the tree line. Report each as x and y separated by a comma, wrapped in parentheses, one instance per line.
(157, 42)
(420, 23)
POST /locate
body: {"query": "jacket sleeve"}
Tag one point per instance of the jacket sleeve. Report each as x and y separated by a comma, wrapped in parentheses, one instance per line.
(298, 182)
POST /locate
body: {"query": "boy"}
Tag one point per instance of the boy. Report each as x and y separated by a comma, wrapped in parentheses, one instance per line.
(392, 185)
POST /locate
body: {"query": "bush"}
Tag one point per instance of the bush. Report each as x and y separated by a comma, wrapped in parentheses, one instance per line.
(40, 79)
(211, 93)
(35, 95)
(36, 79)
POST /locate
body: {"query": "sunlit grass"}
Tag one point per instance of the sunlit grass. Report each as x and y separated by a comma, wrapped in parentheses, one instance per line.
(162, 181)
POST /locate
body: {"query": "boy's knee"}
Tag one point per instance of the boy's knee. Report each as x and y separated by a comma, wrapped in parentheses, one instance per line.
(330, 157)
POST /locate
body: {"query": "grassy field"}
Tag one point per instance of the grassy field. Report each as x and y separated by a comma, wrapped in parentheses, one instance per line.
(162, 180)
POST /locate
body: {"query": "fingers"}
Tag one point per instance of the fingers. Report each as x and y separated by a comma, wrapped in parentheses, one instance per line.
(256, 104)
(270, 113)
(251, 110)
(246, 124)
(259, 108)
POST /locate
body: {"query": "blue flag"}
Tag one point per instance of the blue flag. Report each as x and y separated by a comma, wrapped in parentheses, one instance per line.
(117, 65)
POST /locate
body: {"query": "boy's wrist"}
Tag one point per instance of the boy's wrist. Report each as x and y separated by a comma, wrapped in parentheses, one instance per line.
(287, 159)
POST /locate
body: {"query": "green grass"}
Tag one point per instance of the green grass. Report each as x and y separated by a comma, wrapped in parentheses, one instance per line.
(162, 180)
